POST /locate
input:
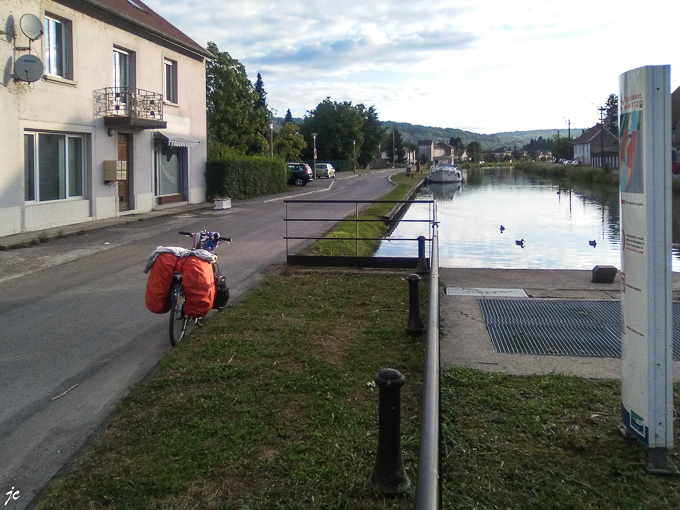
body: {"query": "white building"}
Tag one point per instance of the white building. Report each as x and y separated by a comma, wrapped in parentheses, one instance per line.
(116, 122)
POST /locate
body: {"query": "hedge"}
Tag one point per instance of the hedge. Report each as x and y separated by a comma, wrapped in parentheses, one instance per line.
(245, 177)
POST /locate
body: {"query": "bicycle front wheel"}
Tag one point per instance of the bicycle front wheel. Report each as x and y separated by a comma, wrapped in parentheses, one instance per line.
(178, 321)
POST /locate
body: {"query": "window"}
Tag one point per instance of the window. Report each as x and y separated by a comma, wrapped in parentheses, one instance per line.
(121, 68)
(169, 169)
(170, 80)
(58, 47)
(53, 166)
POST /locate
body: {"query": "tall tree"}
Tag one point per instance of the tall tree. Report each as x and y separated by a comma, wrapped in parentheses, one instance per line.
(261, 99)
(457, 142)
(611, 110)
(373, 133)
(288, 117)
(234, 124)
(394, 139)
(339, 130)
(288, 142)
(474, 150)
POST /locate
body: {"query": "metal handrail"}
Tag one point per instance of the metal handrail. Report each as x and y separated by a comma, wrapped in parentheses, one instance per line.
(355, 220)
(127, 101)
(428, 487)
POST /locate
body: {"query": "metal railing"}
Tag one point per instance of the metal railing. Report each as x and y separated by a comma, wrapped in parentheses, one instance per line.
(428, 486)
(392, 218)
(129, 102)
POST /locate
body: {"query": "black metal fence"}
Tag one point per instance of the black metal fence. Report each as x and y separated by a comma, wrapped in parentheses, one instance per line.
(295, 215)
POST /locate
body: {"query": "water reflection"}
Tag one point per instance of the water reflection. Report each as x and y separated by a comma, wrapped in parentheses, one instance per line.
(562, 227)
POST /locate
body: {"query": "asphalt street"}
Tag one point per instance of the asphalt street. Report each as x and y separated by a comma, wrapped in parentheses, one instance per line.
(76, 335)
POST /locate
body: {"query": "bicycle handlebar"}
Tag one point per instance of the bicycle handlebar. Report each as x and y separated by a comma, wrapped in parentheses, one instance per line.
(186, 233)
(225, 239)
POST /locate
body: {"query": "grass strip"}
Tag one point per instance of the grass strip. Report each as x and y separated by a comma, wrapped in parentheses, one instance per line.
(373, 229)
(267, 406)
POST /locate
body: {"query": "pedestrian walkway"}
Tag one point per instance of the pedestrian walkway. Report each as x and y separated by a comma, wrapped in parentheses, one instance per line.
(465, 340)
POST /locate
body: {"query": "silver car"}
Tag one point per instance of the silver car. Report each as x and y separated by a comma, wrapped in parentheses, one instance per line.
(325, 170)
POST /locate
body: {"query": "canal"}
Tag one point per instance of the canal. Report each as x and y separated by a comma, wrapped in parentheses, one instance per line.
(503, 218)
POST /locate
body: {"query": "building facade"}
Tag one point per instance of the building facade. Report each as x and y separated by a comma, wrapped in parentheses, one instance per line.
(114, 124)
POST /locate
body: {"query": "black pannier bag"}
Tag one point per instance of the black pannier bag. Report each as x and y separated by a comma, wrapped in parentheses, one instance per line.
(221, 289)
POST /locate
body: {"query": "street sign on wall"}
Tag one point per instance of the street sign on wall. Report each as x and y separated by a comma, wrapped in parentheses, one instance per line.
(646, 313)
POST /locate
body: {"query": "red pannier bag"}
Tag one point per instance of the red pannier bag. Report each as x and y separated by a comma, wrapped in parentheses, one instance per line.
(199, 286)
(160, 279)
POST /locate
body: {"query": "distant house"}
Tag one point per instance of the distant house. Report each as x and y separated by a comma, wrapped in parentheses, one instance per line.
(425, 150)
(461, 155)
(114, 124)
(444, 153)
(502, 154)
(409, 156)
(597, 147)
(675, 124)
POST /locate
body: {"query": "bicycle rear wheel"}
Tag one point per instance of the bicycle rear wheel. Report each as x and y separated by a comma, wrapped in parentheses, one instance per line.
(178, 321)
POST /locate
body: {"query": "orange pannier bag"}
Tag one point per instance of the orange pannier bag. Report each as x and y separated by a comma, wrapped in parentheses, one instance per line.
(160, 279)
(199, 286)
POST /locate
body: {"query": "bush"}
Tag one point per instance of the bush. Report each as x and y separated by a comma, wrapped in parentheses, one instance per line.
(245, 176)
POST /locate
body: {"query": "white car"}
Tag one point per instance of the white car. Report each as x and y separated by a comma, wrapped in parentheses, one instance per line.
(325, 170)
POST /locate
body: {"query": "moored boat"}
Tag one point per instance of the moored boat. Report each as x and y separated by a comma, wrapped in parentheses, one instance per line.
(445, 173)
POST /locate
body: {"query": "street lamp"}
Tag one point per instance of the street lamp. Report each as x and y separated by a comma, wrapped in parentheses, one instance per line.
(271, 138)
(314, 140)
(354, 155)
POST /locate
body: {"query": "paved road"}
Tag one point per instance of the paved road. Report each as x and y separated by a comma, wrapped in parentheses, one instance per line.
(75, 332)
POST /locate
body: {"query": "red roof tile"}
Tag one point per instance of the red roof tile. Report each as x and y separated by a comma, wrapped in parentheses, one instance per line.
(145, 17)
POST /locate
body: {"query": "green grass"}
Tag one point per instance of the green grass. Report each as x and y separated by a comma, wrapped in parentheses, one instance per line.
(267, 406)
(372, 229)
(578, 174)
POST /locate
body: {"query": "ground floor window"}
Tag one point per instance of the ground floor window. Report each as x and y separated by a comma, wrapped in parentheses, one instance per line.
(53, 166)
(169, 171)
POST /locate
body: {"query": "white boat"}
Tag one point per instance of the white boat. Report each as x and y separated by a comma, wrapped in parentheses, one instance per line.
(445, 173)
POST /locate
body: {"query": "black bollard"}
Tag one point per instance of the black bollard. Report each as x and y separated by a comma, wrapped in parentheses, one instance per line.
(422, 267)
(389, 477)
(415, 326)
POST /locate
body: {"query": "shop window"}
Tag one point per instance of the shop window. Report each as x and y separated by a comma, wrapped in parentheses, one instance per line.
(53, 166)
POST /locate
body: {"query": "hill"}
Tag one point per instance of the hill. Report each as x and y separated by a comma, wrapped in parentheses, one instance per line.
(510, 139)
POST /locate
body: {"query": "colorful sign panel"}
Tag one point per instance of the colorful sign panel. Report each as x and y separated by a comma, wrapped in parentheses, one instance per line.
(646, 284)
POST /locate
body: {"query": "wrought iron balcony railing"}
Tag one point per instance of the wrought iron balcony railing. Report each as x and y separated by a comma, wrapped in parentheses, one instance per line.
(128, 102)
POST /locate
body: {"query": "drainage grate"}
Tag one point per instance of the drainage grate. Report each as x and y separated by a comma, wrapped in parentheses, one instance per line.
(560, 328)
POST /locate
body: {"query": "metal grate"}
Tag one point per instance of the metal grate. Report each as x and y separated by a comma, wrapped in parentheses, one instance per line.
(560, 328)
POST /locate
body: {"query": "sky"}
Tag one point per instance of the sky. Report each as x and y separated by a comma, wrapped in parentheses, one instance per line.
(485, 66)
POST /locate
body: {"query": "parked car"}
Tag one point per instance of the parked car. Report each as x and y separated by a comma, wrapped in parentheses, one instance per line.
(325, 170)
(676, 167)
(300, 173)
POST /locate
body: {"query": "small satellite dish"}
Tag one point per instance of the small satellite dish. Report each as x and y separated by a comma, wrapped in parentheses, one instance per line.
(31, 26)
(28, 68)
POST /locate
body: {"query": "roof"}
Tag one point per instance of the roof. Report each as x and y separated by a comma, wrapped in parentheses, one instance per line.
(593, 136)
(424, 142)
(139, 14)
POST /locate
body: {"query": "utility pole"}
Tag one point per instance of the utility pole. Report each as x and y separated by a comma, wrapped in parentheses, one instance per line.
(602, 110)
(394, 152)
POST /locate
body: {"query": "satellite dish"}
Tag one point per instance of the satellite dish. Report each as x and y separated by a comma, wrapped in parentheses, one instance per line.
(31, 26)
(28, 68)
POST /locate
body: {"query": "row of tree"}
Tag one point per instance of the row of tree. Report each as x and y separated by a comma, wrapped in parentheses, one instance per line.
(239, 121)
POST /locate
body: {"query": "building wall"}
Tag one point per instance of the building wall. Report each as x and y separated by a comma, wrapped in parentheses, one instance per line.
(54, 104)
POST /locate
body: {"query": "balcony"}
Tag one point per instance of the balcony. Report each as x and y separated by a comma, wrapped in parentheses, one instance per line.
(128, 107)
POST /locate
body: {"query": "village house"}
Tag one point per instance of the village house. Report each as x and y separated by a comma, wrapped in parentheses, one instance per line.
(425, 150)
(597, 146)
(104, 113)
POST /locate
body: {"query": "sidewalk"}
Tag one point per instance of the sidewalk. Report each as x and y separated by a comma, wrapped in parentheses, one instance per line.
(78, 228)
(466, 342)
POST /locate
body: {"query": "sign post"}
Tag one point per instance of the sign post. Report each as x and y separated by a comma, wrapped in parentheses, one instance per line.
(646, 283)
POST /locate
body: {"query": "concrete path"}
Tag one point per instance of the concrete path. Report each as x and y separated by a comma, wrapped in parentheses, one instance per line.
(466, 342)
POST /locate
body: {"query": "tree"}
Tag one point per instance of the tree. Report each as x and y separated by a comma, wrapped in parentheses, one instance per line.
(457, 142)
(288, 142)
(373, 133)
(474, 150)
(288, 117)
(261, 99)
(337, 126)
(398, 143)
(234, 124)
(562, 148)
(611, 110)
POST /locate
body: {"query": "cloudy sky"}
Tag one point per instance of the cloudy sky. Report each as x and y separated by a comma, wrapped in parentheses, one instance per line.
(480, 65)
